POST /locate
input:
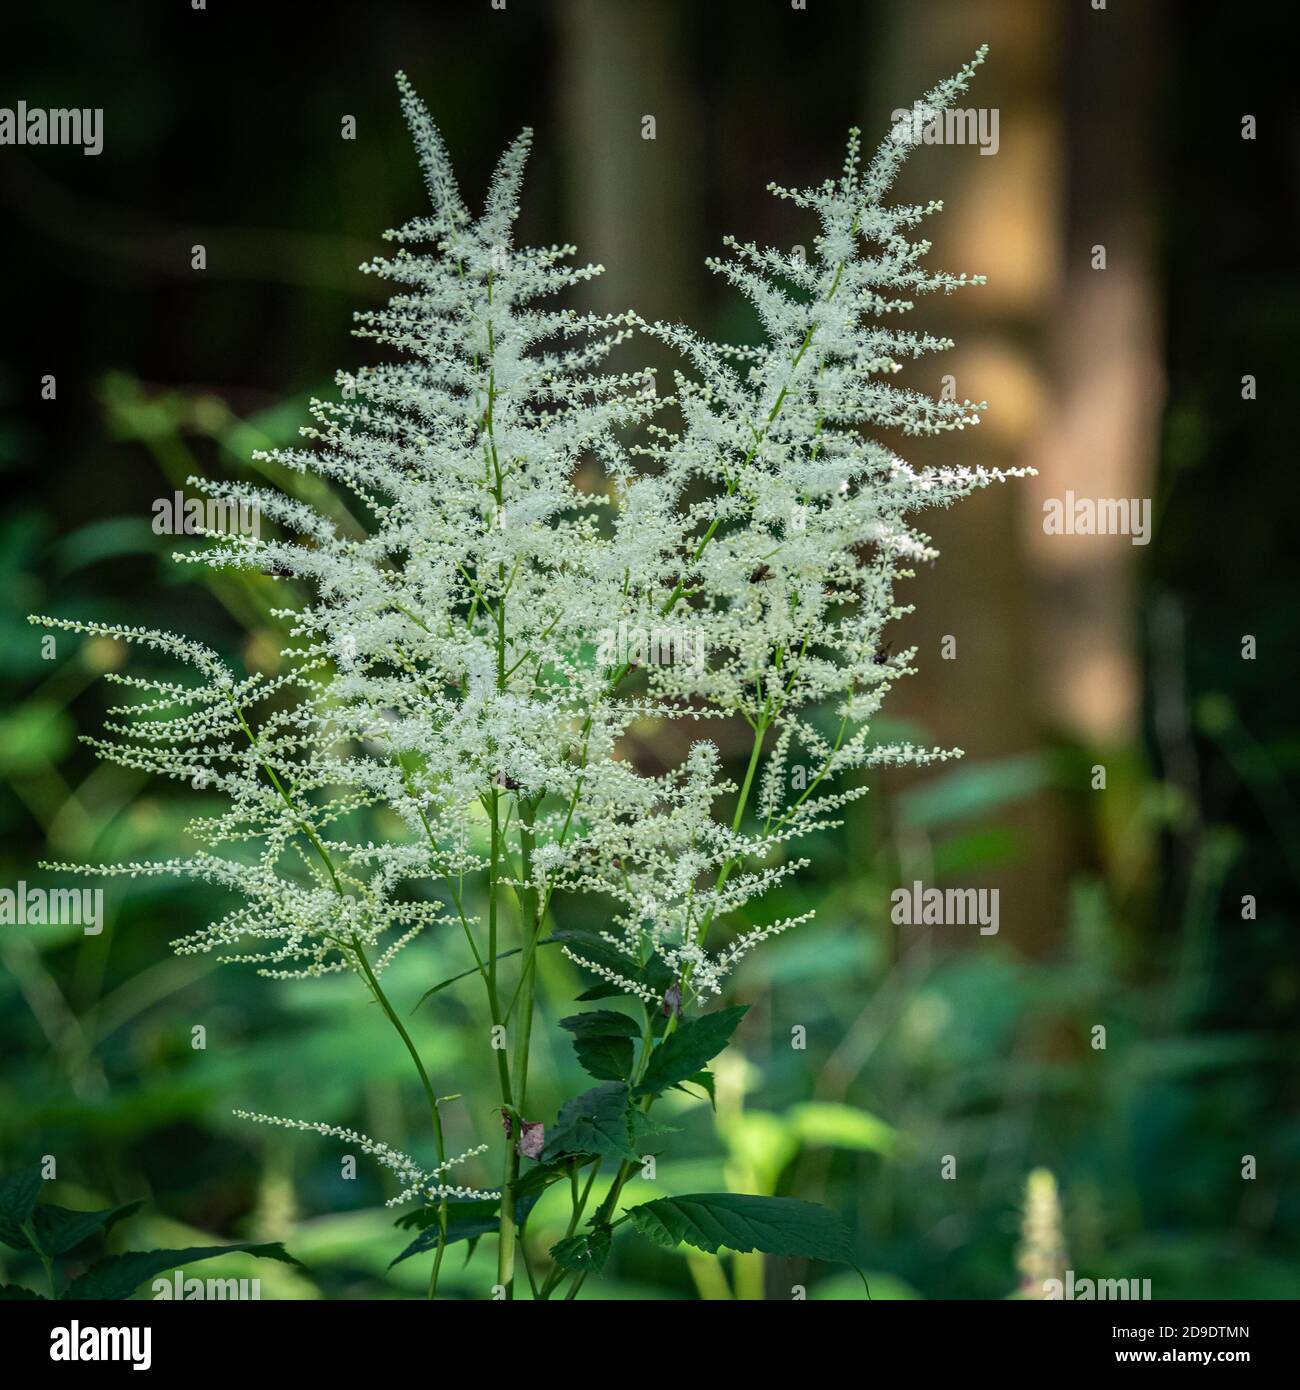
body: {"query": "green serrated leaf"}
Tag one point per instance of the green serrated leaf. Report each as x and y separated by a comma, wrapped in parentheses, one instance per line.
(644, 1127)
(18, 1194)
(540, 1176)
(466, 1220)
(595, 948)
(774, 1225)
(465, 1225)
(13, 1236)
(605, 1058)
(704, 1080)
(586, 1252)
(59, 1230)
(602, 1041)
(601, 1023)
(470, 1211)
(15, 1293)
(654, 975)
(595, 1122)
(683, 1053)
(119, 1276)
(604, 990)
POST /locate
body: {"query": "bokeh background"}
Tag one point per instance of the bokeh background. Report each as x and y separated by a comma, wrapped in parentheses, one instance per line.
(1120, 907)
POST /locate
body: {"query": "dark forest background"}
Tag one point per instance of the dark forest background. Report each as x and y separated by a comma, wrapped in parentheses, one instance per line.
(1121, 907)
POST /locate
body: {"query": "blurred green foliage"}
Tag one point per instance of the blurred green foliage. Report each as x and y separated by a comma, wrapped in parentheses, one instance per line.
(914, 1050)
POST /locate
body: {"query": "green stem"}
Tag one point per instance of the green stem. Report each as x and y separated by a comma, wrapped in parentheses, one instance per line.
(745, 787)
(606, 1209)
(579, 1205)
(532, 929)
(493, 995)
(725, 873)
(523, 1039)
(382, 999)
(371, 979)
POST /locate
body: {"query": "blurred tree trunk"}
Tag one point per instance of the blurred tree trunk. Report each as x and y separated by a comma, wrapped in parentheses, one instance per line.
(631, 200)
(632, 203)
(1107, 384)
(1003, 219)
(1067, 358)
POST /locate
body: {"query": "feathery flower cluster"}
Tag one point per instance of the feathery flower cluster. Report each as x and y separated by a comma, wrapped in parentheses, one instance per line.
(490, 526)
(420, 1182)
(774, 526)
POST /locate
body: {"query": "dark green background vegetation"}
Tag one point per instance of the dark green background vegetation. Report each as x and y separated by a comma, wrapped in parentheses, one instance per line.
(222, 127)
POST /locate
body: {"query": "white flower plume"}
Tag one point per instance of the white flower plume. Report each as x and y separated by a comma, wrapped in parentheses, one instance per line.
(492, 523)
